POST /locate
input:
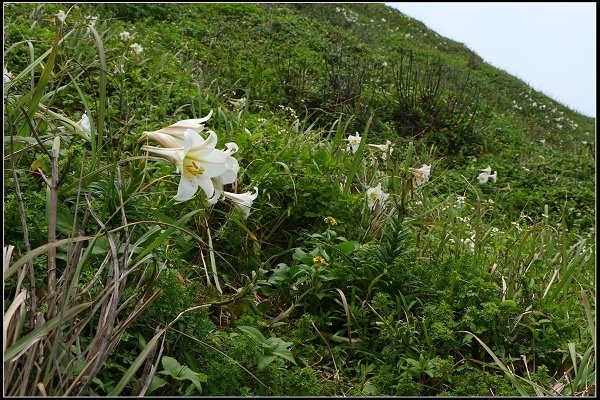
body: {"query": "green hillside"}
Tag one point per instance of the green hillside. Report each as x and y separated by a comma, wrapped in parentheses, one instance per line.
(316, 220)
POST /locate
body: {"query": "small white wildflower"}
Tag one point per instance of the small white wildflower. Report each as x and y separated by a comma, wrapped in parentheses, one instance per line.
(84, 123)
(353, 142)
(91, 22)
(61, 16)
(238, 103)
(517, 226)
(7, 75)
(383, 20)
(460, 200)
(137, 48)
(125, 36)
(542, 141)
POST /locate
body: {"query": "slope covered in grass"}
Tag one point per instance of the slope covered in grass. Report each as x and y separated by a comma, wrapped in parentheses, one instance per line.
(389, 265)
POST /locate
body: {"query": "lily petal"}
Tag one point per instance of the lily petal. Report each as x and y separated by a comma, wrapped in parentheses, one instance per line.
(174, 155)
(187, 188)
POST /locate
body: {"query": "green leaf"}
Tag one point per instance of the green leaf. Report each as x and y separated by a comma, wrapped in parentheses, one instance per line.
(156, 383)
(137, 363)
(347, 247)
(171, 365)
(509, 304)
(168, 232)
(263, 361)
(253, 331)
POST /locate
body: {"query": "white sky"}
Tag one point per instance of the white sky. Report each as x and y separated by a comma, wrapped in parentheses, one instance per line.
(550, 46)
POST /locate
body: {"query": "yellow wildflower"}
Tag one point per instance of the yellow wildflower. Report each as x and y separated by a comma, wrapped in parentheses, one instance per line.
(330, 220)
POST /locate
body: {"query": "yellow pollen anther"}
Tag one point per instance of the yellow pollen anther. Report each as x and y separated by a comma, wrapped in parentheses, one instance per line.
(194, 169)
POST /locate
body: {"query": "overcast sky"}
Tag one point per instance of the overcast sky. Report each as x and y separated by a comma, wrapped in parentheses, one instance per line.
(550, 46)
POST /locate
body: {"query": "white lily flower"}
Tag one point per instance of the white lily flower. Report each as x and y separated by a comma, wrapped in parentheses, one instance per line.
(483, 177)
(353, 142)
(384, 148)
(61, 16)
(376, 196)
(84, 123)
(242, 200)
(421, 175)
(125, 36)
(233, 167)
(486, 175)
(7, 75)
(137, 48)
(238, 103)
(91, 22)
(172, 135)
(198, 161)
(487, 170)
(227, 177)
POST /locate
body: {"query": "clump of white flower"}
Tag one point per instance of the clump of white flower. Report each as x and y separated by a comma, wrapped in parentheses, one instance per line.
(125, 36)
(137, 48)
(486, 175)
(200, 164)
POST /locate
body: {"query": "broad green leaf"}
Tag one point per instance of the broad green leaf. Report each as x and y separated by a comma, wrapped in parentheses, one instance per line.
(170, 364)
(253, 331)
(156, 383)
